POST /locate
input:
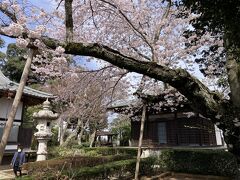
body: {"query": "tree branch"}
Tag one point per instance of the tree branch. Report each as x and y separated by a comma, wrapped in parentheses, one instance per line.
(68, 20)
(9, 14)
(92, 11)
(165, 15)
(203, 100)
(135, 29)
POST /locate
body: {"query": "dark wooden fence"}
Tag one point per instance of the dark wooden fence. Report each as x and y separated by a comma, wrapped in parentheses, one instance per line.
(25, 137)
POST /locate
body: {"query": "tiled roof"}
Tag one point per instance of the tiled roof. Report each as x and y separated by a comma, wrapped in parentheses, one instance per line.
(7, 84)
(123, 103)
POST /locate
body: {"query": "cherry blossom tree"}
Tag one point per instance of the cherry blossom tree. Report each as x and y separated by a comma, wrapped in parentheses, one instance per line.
(143, 36)
(82, 99)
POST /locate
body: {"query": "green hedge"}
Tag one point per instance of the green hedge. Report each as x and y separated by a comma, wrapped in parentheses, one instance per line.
(103, 171)
(119, 169)
(69, 162)
(211, 162)
(105, 151)
(86, 151)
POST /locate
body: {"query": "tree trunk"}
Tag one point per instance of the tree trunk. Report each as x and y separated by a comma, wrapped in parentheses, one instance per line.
(80, 135)
(231, 137)
(233, 145)
(60, 131)
(233, 71)
(129, 143)
(69, 139)
(16, 101)
(119, 139)
(140, 141)
(74, 134)
(92, 137)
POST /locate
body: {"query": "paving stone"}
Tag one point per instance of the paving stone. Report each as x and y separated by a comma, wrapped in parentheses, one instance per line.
(7, 174)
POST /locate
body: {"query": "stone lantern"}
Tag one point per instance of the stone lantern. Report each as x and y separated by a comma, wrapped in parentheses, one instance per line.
(44, 120)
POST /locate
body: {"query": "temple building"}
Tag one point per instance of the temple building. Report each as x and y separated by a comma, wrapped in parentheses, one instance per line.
(171, 124)
(30, 97)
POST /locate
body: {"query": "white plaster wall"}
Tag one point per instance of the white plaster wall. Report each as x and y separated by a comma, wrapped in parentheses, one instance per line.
(5, 107)
(13, 137)
(11, 147)
(219, 136)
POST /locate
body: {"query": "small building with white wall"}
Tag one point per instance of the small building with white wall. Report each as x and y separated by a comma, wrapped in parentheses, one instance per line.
(19, 134)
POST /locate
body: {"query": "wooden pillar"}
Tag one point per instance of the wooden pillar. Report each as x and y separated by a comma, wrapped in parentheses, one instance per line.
(201, 133)
(140, 141)
(177, 129)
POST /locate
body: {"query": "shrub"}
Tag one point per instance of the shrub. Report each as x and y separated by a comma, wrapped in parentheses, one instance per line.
(69, 162)
(103, 171)
(54, 139)
(104, 151)
(147, 166)
(118, 169)
(212, 162)
(34, 143)
(60, 151)
(88, 167)
(84, 144)
(86, 151)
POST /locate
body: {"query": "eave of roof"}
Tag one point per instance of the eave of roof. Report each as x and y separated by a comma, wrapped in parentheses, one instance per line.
(122, 104)
(129, 106)
(8, 85)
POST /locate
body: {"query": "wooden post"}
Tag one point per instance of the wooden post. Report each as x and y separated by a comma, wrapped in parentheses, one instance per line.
(16, 101)
(140, 141)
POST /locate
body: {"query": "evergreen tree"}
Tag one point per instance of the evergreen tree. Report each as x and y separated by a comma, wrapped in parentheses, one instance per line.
(14, 64)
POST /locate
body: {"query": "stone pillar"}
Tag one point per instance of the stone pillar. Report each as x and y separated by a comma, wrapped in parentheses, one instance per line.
(42, 149)
(44, 120)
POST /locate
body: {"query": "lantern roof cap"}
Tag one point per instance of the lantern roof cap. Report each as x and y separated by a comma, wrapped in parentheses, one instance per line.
(46, 113)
